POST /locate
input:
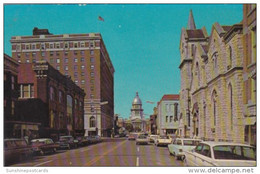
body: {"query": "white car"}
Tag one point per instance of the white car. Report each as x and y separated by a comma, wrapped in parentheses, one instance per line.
(163, 140)
(224, 154)
(180, 145)
(152, 138)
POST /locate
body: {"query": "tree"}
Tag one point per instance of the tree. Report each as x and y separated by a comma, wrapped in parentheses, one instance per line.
(129, 127)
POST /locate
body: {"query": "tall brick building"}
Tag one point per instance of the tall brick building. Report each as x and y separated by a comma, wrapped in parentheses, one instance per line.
(85, 59)
(213, 82)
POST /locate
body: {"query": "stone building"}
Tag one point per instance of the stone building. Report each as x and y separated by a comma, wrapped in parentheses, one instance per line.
(168, 114)
(212, 82)
(137, 117)
(85, 59)
(249, 72)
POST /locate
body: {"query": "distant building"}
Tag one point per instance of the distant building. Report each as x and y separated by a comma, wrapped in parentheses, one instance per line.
(168, 114)
(153, 120)
(85, 59)
(137, 117)
(50, 98)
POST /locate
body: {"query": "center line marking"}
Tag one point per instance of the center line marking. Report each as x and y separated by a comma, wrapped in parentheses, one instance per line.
(137, 161)
(42, 163)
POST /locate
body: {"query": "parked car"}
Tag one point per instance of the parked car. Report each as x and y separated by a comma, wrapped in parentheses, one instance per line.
(163, 140)
(131, 137)
(43, 145)
(16, 150)
(179, 145)
(83, 141)
(67, 142)
(142, 139)
(224, 154)
(152, 138)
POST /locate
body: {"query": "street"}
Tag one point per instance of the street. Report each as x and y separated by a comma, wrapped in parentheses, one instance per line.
(111, 152)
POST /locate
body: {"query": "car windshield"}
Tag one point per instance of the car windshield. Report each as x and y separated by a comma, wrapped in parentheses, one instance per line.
(66, 138)
(190, 143)
(234, 152)
(164, 137)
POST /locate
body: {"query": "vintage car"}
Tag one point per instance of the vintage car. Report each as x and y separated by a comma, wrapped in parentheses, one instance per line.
(224, 154)
(152, 138)
(42, 146)
(163, 140)
(179, 145)
(67, 142)
(142, 139)
(131, 137)
(16, 150)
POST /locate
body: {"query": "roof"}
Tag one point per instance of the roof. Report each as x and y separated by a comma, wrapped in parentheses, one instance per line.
(195, 33)
(171, 97)
(137, 100)
(226, 28)
(214, 143)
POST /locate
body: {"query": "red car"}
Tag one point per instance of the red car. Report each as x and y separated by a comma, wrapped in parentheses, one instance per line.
(131, 137)
(44, 145)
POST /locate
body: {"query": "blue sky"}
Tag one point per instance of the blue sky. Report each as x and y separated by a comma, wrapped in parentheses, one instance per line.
(142, 39)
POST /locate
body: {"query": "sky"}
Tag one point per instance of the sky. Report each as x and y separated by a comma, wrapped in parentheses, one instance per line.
(142, 39)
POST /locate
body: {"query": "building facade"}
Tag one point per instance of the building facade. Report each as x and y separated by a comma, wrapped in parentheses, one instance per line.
(137, 117)
(168, 115)
(249, 72)
(85, 59)
(153, 121)
(50, 98)
(212, 88)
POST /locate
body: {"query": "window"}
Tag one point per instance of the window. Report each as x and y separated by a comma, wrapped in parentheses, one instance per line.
(91, 52)
(19, 55)
(81, 52)
(82, 82)
(82, 67)
(51, 60)
(26, 91)
(75, 67)
(43, 54)
(75, 74)
(43, 46)
(26, 54)
(66, 45)
(66, 73)
(91, 95)
(51, 53)
(33, 46)
(175, 111)
(198, 148)
(92, 122)
(82, 74)
(51, 45)
(66, 68)
(57, 45)
(60, 96)
(13, 82)
(13, 107)
(52, 93)
(75, 44)
(34, 60)
(92, 74)
(171, 117)
(215, 61)
(92, 89)
(27, 46)
(92, 59)
(206, 151)
(230, 105)
(214, 105)
(82, 59)
(92, 67)
(91, 44)
(75, 52)
(58, 67)
(76, 60)
(18, 47)
(66, 60)
(76, 81)
(57, 53)
(166, 119)
(27, 61)
(230, 57)
(58, 60)
(82, 44)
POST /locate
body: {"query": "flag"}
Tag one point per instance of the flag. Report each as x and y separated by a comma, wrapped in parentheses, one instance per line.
(100, 18)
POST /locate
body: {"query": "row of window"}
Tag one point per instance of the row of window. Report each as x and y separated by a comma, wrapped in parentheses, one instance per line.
(170, 119)
(51, 53)
(56, 45)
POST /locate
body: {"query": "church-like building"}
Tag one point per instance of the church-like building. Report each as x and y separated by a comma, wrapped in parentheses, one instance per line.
(137, 116)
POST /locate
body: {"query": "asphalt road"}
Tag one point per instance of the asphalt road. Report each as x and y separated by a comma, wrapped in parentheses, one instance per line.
(111, 152)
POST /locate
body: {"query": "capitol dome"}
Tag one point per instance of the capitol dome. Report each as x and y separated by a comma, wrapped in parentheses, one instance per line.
(137, 100)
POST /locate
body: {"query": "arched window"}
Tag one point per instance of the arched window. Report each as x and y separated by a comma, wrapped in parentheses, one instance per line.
(215, 61)
(92, 122)
(230, 96)
(166, 119)
(214, 107)
(198, 73)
